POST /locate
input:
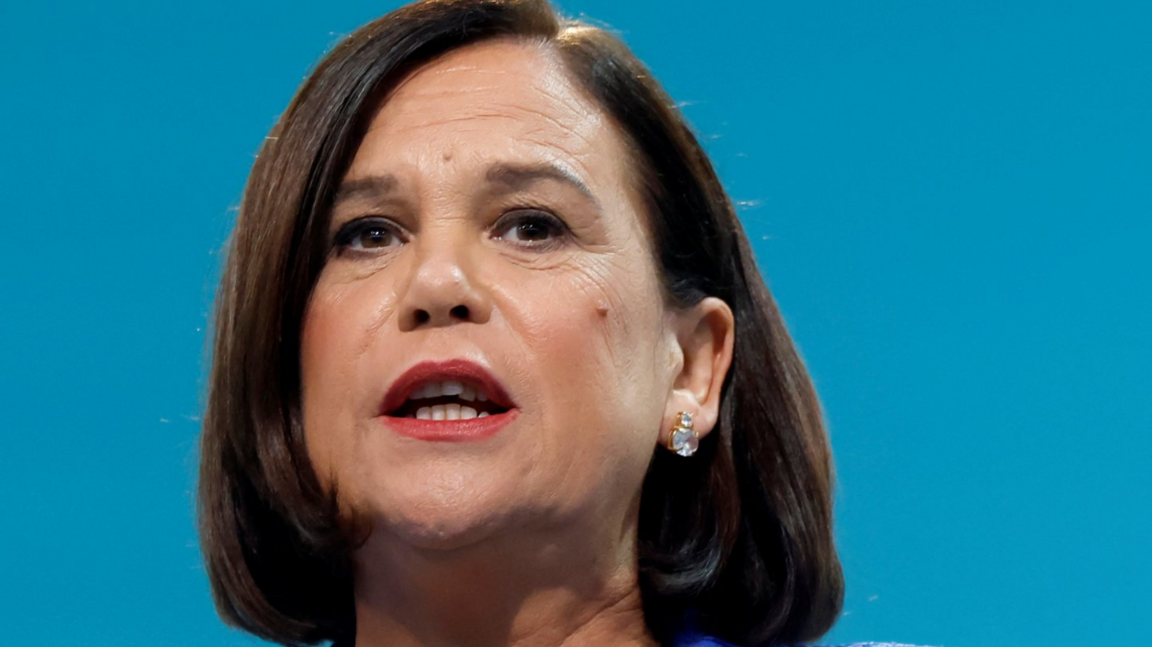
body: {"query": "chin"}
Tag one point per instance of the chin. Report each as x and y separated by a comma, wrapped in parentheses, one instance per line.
(443, 514)
(438, 533)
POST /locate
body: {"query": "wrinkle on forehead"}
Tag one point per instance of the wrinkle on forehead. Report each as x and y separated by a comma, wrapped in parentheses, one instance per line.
(515, 113)
(456, 73)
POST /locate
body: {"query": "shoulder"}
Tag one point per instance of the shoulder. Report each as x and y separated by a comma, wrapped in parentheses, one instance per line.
(691, 639)
(873, 645)
(713, 642)
(690, 636)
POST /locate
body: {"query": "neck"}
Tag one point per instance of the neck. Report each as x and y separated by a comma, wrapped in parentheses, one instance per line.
(524, 593)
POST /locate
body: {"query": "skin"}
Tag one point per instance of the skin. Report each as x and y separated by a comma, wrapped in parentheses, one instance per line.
(527, 537)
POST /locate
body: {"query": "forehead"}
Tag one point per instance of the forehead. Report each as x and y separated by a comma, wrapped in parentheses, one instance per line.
(506, 99)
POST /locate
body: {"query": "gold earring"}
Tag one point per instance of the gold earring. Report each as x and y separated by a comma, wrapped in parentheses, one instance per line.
(682, 439)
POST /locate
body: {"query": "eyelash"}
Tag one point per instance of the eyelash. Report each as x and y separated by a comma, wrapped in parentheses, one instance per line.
(351, 231)
(524, 215)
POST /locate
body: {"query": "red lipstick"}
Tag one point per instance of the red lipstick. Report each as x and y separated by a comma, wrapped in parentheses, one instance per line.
(397, 409)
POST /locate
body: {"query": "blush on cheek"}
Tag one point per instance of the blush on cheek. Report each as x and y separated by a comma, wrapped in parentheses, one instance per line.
(319, 332)
(323, 374)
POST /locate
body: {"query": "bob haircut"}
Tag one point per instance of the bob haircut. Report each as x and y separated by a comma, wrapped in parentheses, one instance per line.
(739, 539)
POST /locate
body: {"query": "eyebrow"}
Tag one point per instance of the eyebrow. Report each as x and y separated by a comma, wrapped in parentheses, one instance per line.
(373, 187)
(519, 176)
(512, 176)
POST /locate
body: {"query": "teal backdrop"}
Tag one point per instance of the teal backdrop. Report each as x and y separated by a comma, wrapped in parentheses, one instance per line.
(951, 202)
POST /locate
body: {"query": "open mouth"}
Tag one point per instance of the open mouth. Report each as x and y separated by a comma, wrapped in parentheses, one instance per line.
(448, 400)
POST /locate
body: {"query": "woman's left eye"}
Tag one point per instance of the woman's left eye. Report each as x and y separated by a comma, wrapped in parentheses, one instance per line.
(530, 228)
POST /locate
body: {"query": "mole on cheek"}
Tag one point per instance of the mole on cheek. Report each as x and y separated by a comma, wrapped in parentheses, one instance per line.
(602, 309)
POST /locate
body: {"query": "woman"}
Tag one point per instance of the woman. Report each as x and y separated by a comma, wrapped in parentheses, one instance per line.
(494, 365)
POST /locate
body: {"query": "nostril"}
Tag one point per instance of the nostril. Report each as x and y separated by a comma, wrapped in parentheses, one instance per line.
(422, 317)
(460, 312)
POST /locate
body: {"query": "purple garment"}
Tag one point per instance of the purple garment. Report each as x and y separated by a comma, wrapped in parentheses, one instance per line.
(691, 638)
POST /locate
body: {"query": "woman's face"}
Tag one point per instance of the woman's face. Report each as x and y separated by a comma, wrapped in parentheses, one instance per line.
(489, 216)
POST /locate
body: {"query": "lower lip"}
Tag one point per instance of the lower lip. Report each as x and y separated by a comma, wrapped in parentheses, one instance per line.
(450, 430)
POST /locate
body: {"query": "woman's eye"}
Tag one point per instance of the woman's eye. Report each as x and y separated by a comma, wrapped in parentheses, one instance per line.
(530, 228)
(366, 234)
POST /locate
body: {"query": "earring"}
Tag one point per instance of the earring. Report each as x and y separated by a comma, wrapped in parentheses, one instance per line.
(682, 439)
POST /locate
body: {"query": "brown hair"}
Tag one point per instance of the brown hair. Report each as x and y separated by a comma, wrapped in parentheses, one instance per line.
(739, 538)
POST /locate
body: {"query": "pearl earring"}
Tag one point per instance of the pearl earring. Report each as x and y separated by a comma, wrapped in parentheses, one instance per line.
(682, 439)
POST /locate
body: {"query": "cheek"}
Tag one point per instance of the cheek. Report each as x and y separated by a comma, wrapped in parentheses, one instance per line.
(338, 327)
(597, 333)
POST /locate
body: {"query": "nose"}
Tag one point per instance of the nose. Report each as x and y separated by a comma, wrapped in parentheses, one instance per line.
(442, 290)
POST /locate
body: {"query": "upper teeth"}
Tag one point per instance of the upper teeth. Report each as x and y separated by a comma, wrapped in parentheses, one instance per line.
(465, 392)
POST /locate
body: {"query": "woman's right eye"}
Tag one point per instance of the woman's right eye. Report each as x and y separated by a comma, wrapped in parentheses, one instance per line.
(366, 235)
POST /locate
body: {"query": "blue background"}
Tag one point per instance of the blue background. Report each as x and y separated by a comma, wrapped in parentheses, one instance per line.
(951, 201)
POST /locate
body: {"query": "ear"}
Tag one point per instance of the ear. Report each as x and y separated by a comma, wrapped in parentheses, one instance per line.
(705, 334)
